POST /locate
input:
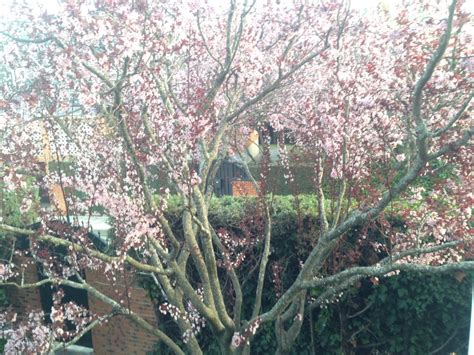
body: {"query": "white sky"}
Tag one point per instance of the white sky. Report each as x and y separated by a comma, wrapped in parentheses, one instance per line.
(51, 5)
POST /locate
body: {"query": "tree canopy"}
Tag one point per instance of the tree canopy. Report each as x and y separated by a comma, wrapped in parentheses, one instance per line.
(123, 105)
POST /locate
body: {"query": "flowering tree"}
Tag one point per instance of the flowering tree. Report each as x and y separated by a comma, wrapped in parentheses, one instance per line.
(124, 91)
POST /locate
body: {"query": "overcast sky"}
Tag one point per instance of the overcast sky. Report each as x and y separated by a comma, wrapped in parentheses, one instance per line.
(51, 5)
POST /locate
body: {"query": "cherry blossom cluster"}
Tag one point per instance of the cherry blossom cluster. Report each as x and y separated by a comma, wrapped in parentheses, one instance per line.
(191, 316)
(61, 312)
(243, 337)
(196, 321)
(324, 302)
(237, 247)
(285, 162)
(441, 216)
(277, 272)
(232, 257)
(7, 271)
(26, 336)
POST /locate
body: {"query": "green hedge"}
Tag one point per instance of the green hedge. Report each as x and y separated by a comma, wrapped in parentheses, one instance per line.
(406, 313)
(10, 203)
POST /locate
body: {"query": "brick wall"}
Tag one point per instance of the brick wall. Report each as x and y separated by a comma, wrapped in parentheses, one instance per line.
(243, 188)
(25, 300)
(120, 335)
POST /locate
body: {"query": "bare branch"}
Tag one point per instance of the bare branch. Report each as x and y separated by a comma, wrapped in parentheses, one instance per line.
(453, 146)
(100, 75)
(28, 40)
(380, 270)
(454, 119)
(422, 132)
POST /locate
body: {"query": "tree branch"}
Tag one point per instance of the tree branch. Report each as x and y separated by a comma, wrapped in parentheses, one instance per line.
(422, 132)
(87, 251)
(276, 84)
(92, 325)
(454, 119)
(453, 146)
(380, 270)
(118, 309)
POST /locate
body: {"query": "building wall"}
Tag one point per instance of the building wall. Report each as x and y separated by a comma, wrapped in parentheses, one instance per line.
(25, 300)
(120, 335)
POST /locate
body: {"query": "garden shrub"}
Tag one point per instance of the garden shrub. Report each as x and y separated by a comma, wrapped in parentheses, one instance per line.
(405, 313)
